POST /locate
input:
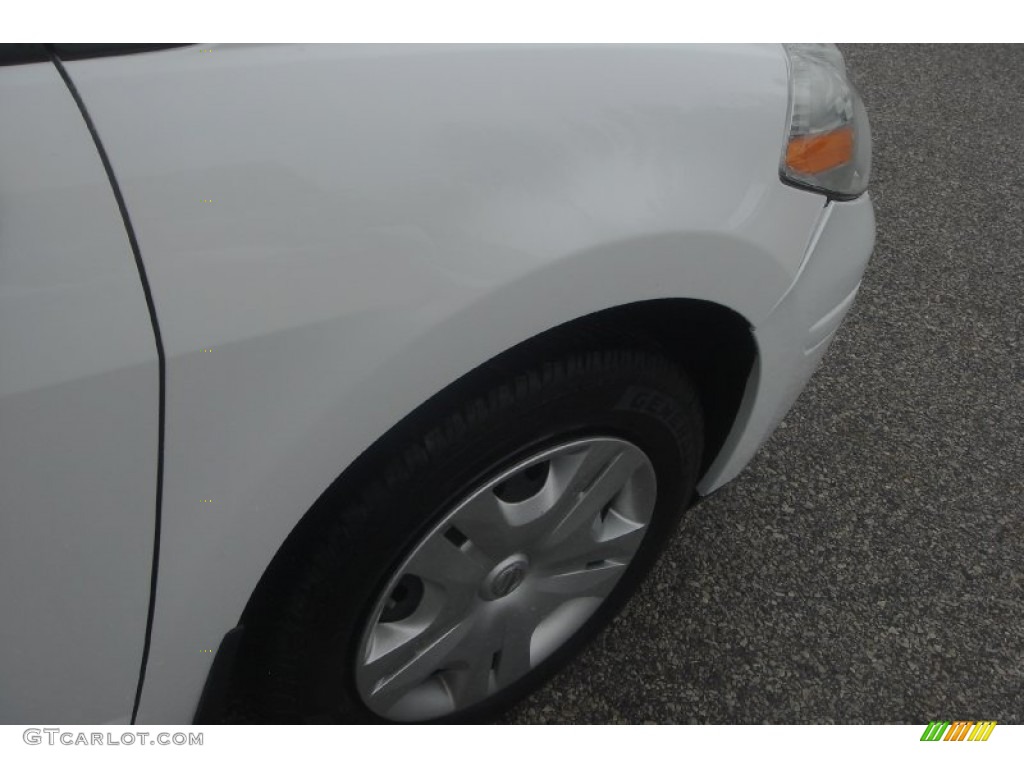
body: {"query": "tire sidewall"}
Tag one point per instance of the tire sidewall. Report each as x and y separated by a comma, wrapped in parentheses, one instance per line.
(653, 409)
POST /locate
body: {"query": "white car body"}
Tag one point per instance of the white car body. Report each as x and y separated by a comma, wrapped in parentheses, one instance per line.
(331, 235)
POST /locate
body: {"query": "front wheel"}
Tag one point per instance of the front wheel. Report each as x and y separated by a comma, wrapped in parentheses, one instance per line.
(489, 549)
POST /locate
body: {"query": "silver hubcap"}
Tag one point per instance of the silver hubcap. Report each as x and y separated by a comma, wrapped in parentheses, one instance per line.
(507, 577)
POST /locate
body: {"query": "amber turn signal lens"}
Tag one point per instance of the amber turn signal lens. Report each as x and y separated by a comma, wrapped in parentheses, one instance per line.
(820, 152)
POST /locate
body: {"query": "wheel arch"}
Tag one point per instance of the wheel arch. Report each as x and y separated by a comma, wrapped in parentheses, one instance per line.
(712, 343)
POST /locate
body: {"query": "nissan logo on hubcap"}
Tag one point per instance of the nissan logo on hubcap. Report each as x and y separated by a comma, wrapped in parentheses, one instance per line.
(508, 580)
(505, 579)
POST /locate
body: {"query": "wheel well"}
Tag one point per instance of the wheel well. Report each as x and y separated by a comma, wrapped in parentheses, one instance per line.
(712, 343)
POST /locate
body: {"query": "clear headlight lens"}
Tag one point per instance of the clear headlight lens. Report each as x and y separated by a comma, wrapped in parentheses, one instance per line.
(828, 145)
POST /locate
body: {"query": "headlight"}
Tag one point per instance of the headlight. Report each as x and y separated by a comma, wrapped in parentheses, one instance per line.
(828, 140)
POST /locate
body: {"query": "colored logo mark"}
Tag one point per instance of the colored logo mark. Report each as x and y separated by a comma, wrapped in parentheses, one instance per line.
(958, 730)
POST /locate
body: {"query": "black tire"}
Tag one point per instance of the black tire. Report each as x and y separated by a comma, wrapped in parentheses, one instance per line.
(299, 664)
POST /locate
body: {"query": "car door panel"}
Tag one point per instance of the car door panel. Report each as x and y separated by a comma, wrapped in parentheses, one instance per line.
(79, 405)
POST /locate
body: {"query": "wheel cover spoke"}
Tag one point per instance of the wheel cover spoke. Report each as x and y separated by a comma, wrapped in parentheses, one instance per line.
(589, 581)
(601, 476)
(504, 581)
(444, 563)
(414, 665)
